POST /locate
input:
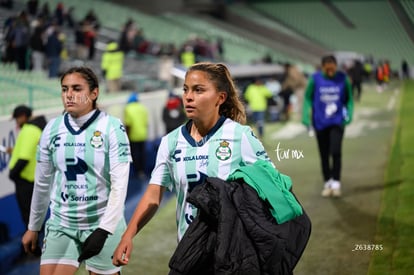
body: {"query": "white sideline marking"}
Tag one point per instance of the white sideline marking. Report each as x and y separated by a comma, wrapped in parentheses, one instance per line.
(289, 131)
(392, 101)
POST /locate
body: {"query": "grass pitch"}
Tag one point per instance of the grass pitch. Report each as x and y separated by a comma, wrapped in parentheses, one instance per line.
(396, 219)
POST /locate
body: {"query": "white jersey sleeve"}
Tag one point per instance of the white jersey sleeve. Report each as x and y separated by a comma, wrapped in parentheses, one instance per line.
(44, 175)
(251, 148)
(119, 174)
(115, 207)
(161, 174)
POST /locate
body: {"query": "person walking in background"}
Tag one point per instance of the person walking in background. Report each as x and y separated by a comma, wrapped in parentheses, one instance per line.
(82, 170)
(32, 7)
(405, 70)
(37, 44)
(356, 73)
(213, 143)
(187, 56)
(328, 106)
(380, 77)
(136, 124)
(59, 14)
(20, 35)
(275, 102)
(173, 114)
(53, 50)
(293, 84)
(89, 36)
(23, 157)
(81, 48)
(257, 96)
(112, 64)
(286, 93)
(128, 36)
(387, 72)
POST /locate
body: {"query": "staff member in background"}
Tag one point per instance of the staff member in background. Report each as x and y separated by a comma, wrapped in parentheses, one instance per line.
(23, 158)
(112, 64)
(257, 95)
(136, 124)
(328, 106)
(82, 173)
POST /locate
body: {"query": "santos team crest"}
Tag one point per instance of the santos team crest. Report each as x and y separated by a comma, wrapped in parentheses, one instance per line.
(223, 152)
(97, 140)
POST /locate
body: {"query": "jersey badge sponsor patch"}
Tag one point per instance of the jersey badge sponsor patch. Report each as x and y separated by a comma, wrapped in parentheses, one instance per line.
(97, 140)
(223, 152)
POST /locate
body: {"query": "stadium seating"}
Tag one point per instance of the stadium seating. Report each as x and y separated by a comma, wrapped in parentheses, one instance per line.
(26, 87)
(385, 39)
(255, 16)
(238, 49)
(408, 6)
(372, 35)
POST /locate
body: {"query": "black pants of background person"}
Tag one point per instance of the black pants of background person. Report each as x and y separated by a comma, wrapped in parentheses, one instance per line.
(24, 192)
(356, 87)
(138, 157)
(330, 147)
(285, 95)
(20, 53)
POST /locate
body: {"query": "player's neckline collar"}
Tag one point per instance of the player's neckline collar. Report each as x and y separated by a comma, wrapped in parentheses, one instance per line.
(84, 126)
(187, 129)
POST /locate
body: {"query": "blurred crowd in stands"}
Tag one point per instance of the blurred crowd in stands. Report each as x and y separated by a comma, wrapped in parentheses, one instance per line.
(37, 39)
(34, 39)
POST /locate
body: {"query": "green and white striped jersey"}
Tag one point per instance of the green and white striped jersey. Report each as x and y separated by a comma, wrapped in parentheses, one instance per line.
(182, 163)
(80, 162)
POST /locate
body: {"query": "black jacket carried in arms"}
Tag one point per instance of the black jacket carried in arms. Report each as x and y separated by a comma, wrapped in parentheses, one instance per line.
(235, 233)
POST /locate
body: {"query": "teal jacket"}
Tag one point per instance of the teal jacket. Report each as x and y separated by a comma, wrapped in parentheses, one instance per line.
(271, 186)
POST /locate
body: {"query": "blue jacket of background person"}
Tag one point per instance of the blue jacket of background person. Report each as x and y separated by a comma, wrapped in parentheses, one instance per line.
(330, 100)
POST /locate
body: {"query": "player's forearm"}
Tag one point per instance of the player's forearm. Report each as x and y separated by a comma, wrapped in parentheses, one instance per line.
(145, 210)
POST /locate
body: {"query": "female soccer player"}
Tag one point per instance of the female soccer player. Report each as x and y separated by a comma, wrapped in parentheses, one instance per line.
(82, 170)
(212, 143)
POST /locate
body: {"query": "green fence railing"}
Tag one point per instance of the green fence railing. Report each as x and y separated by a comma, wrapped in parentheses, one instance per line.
(15, 91)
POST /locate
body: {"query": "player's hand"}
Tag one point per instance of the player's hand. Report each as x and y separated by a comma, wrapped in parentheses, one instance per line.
(29, 242)
(93, 244)
(122, 252)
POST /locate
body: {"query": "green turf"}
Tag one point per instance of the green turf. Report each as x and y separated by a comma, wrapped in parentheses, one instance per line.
(396, 219)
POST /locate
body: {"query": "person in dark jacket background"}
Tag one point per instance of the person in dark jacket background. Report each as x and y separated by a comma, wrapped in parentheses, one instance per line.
(357, 73)
(37, 44)
(54, 47)
(173, 112)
